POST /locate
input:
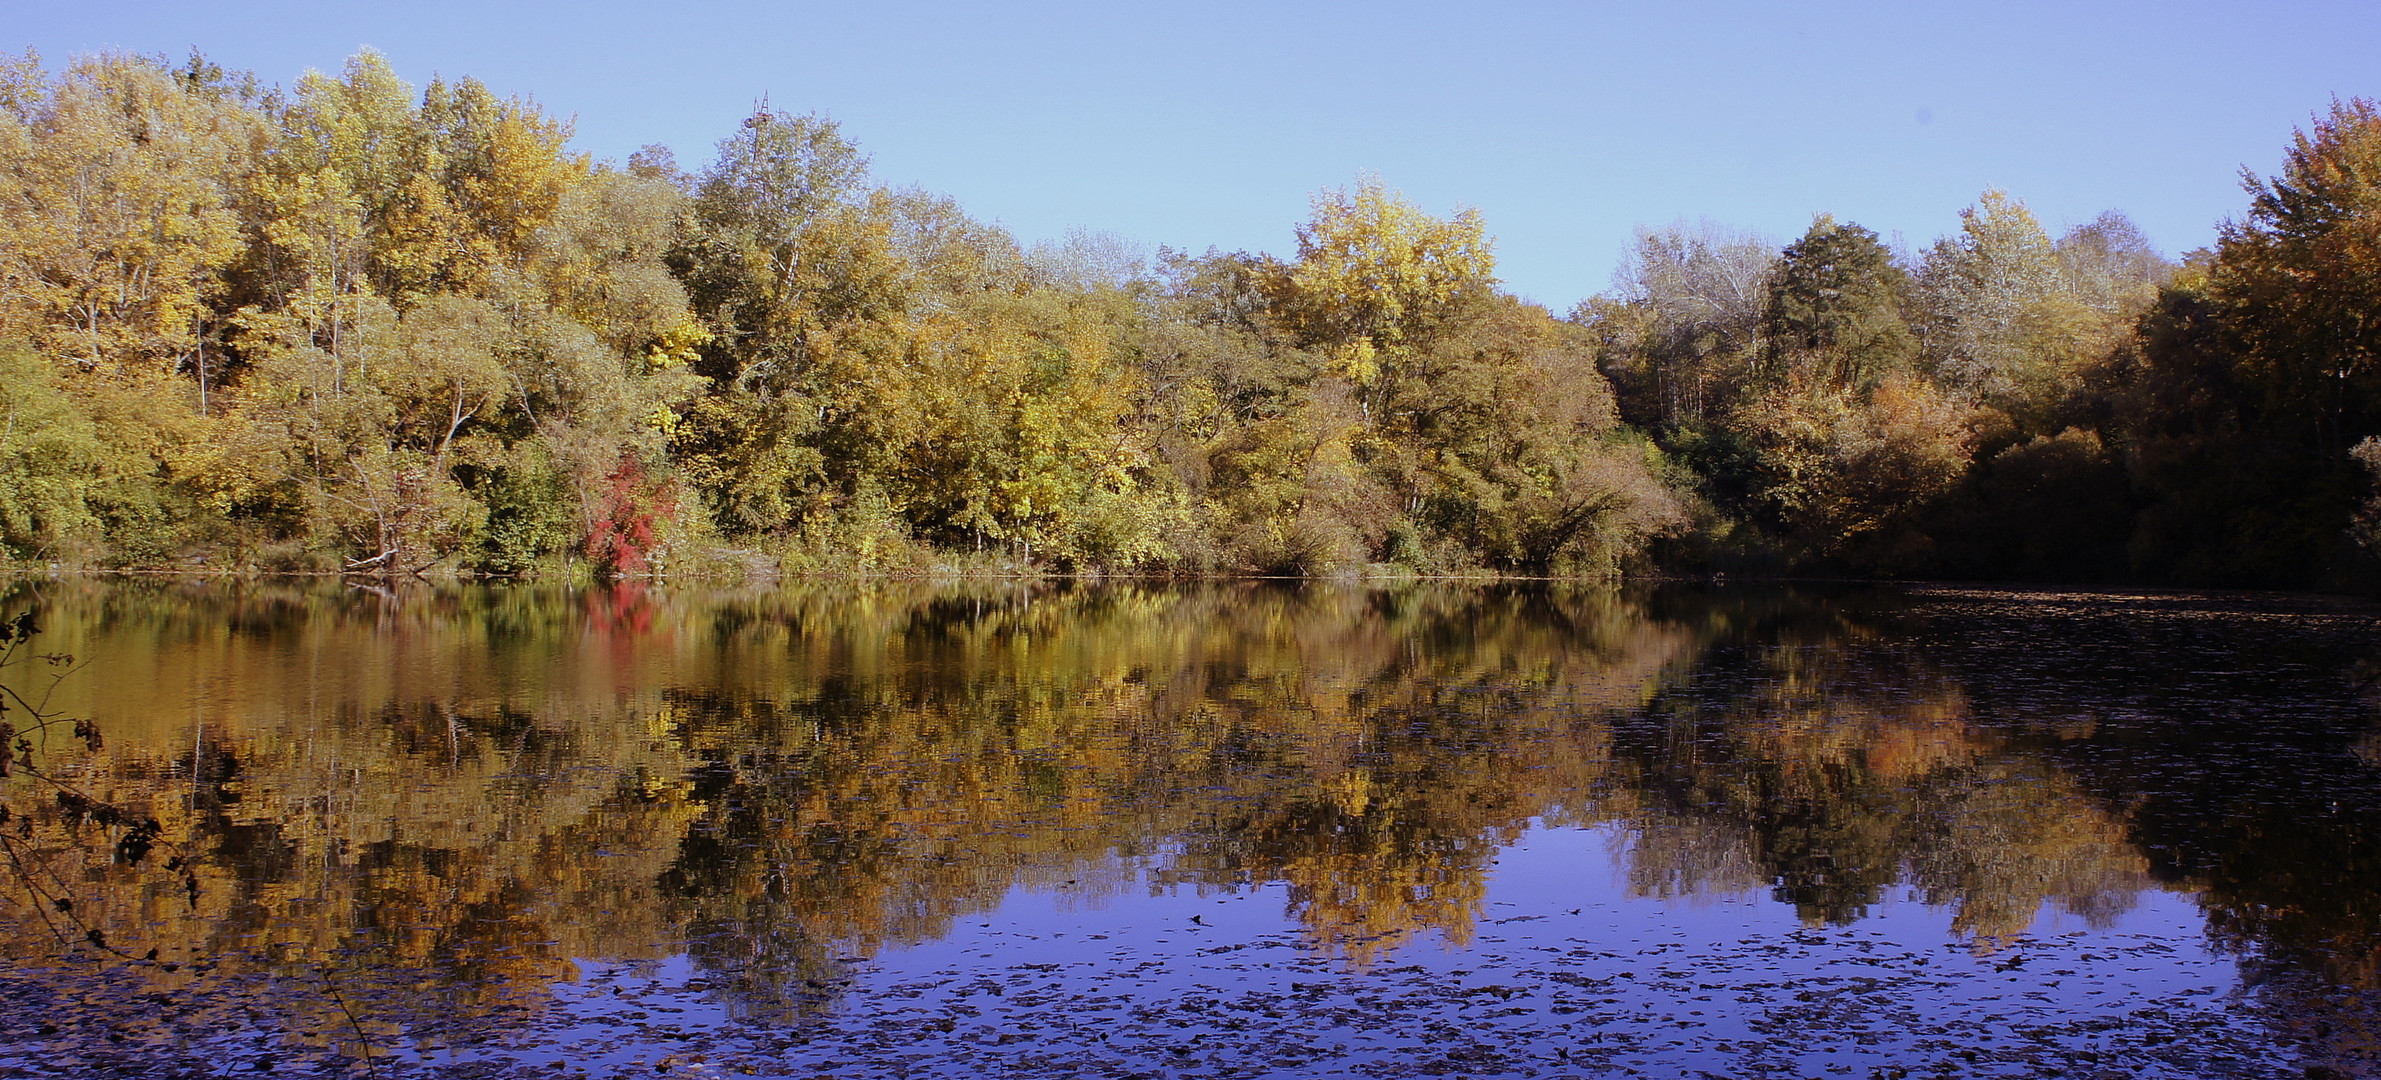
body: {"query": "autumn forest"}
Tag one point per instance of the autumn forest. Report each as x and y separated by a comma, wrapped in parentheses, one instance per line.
(352, 325)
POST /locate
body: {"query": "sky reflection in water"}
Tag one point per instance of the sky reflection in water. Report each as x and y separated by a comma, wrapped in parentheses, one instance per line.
(1570, 972)
(1222, 831)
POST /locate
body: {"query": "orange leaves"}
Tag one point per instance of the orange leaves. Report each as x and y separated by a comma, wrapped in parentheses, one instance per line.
(1842, 469)
(2297, 279)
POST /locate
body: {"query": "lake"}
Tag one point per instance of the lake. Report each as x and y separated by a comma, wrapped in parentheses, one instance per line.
(1264, 829)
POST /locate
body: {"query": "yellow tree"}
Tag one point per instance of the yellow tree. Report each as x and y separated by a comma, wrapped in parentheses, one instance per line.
(1375, 274)
(447, 191)
(114, 211)
(1006, 423)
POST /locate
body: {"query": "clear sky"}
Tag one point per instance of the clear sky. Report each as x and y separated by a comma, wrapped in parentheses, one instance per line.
(1568, 125)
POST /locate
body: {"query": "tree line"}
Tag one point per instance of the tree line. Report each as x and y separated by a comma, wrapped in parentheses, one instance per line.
(346, 326)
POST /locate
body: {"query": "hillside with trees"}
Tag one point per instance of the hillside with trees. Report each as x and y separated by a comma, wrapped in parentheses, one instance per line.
(353, 326)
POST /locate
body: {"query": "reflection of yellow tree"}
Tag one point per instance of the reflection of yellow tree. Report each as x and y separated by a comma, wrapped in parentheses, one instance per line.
(1392, 773)
(967, 747)
(1364, 883)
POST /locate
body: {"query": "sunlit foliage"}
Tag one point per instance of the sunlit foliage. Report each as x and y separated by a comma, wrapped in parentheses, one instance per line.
(351, 325)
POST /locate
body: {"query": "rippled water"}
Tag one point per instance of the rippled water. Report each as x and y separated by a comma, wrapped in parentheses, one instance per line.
(1204, 831)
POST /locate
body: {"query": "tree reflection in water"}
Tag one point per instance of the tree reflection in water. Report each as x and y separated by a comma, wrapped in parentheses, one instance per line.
(1820, 755)
(446, 800)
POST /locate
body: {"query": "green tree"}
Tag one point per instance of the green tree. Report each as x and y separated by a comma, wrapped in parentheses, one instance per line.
(52, 460)
(754, 263)
(1517, 451)
(1834, 313)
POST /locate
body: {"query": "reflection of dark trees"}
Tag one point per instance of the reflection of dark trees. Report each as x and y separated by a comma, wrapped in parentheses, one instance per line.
(1754, 770)
(764, 889)
(2227, 746)
(1419, 736)
(1821, 755)
(1395, 841)
(2233, 743)
(804, 846)
(2228, 737)
(1833, 848)
(1825, 836)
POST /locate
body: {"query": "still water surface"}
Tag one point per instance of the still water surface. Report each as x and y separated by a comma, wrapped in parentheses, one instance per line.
(900, 830)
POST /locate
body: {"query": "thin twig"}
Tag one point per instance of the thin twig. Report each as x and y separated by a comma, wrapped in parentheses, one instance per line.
(370, 1065)
(25, 878)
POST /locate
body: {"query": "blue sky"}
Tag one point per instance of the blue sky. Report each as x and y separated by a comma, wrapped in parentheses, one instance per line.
(1568, 125)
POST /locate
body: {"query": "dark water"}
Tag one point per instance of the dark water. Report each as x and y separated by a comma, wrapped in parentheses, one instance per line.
(1196, 832)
